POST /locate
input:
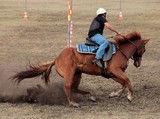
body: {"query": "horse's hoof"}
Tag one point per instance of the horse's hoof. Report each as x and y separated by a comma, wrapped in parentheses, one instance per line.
(76, 105)
(130, 98)
(92, 98)
(113, 94)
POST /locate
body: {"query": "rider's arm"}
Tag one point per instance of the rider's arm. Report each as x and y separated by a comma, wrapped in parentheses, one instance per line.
(110, 27)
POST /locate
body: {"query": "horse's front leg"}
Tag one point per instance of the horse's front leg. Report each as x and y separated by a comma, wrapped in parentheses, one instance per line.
(120, 91)
(125, 82)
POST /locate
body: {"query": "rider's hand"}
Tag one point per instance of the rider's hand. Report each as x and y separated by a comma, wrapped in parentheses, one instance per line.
(118, 33)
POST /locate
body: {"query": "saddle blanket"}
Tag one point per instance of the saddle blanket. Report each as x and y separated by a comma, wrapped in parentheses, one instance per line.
(82, 48)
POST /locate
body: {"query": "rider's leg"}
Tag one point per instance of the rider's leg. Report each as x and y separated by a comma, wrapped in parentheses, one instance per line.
(103, 44)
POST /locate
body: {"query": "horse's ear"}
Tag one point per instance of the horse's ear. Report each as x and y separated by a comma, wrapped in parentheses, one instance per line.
(146, 41)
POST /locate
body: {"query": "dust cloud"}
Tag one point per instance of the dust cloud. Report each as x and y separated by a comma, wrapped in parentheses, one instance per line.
(28, 92)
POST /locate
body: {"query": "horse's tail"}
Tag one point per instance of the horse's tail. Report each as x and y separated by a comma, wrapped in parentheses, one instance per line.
(34, 71)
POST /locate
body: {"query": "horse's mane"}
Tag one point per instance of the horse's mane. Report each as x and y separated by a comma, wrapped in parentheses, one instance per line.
(120, 39)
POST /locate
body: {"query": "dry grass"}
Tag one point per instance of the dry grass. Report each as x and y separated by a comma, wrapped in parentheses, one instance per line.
(44, 35)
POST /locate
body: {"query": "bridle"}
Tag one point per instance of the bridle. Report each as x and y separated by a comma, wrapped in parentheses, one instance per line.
(137, 49)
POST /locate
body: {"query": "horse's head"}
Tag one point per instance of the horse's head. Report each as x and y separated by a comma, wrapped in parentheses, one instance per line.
(137, 56)
(131, 38)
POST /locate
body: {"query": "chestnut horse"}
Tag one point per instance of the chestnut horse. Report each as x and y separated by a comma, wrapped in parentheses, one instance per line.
(70, 65)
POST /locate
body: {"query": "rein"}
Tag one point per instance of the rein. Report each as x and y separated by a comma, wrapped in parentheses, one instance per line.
(123, 53)
(136, 46)
(133, 45)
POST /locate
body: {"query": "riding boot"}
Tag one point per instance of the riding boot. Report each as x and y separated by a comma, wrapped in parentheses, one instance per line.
(98, 62)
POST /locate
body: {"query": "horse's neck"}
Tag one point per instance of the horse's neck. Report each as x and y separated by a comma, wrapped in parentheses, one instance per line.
(128, 49)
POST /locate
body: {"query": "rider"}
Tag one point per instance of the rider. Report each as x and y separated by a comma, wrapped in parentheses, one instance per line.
(96, 33)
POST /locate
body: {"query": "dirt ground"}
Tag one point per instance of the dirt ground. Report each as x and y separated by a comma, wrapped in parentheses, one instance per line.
(44, 36)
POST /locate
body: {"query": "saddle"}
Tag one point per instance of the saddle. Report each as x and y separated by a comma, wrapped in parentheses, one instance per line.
(90, 48)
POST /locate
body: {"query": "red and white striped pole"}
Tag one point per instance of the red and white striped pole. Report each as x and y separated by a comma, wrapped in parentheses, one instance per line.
(70, 24)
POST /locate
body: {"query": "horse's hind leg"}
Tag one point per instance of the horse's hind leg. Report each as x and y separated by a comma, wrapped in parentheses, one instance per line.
(75, 85)
(68, 92)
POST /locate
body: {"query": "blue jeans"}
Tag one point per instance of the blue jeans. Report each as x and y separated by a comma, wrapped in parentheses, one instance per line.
(103, 44)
